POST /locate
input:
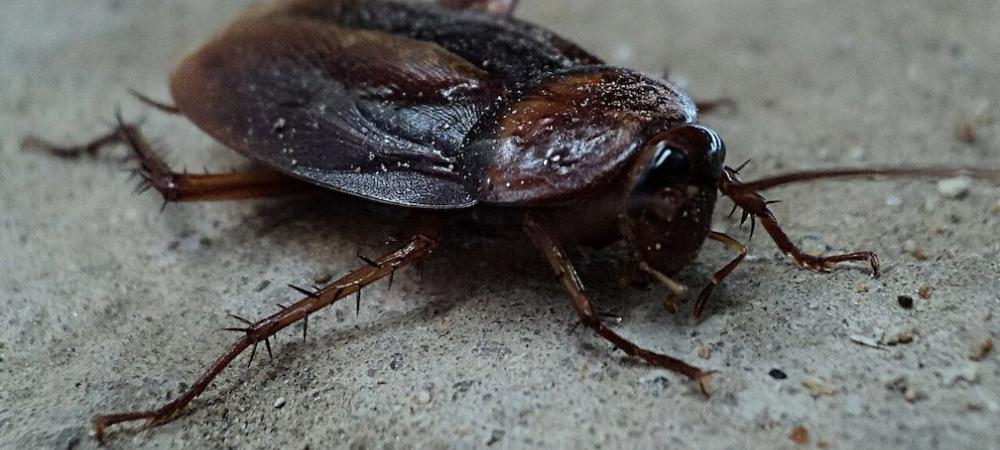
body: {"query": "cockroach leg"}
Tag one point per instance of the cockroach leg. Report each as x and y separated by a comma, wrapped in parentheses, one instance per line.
(159, 106)
(73, 151)
(755, 206)
(570, 280)
(178, 187)
(746, 196)
(715, 106)
(734, 246)
(416, 249)
(677, 290)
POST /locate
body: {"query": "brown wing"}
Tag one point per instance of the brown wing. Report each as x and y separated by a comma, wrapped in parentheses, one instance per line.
(501, 7)
(359, 111)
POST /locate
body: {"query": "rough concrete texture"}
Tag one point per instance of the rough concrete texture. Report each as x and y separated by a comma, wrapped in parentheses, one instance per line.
(108, 305)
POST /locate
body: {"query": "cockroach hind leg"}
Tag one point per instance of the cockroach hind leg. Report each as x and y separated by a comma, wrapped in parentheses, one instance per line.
(418, 248)
(172, 186)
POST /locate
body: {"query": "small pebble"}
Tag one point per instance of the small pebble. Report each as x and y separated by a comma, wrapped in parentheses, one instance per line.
(898, 385)
(918, 254)
(952, 375)
(913, 395)
(705, 352)
(905, 301)
(955, 188)
(862, 288)
(982, 350)
(925, 292)
(799, 435)
(279, 402)
(818, 386)
(902, 337)
(777, 374)
(965, 132)
(495, 437)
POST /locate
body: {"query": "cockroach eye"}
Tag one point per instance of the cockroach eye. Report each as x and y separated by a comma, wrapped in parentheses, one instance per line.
(669, 166)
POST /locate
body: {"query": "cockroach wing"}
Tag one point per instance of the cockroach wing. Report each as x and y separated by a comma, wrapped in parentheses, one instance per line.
(509, 49)
(359, 111)
(501, 7)
(567, 134)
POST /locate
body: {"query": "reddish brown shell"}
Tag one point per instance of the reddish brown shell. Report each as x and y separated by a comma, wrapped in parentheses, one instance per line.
(570, 131)
(419, 104)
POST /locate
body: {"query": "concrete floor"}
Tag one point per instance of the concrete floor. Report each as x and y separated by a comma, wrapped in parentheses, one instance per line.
(106, 304)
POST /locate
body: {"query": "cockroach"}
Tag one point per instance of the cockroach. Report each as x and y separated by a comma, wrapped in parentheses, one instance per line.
(452, 105)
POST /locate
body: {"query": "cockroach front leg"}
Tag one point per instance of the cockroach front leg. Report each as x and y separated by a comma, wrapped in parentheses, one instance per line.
(570, 280)
(179, 187)
(754, 206)
(416, 249)
(732, 245)
(677, 290)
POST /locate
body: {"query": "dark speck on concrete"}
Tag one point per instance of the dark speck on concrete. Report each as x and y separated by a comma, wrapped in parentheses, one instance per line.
(777, 374)
(905, 301)
(495, 437)
(397, 361)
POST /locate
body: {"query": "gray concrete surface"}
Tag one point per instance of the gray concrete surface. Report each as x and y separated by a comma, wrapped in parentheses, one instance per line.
(106, 304)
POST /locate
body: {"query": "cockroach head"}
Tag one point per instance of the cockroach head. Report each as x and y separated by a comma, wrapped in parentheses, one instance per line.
(671, 195)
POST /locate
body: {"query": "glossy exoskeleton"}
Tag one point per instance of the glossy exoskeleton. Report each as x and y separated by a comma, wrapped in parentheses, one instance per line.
(449, 105)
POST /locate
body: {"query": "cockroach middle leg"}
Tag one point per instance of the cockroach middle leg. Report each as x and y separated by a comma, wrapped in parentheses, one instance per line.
(570, 280)
(416, 249)
(173, 186)
(732, 245)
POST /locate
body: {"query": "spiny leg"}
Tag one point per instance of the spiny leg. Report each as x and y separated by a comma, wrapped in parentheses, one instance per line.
(416, 249)
(746, 195)
(755, 206)
(734, 246)
(563, 267)
(178, 187)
